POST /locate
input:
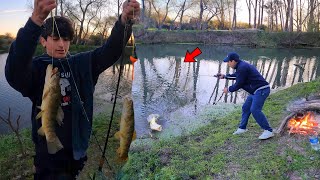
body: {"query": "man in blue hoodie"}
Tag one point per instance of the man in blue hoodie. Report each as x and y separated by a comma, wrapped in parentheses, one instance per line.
(78, 76)
(249, 79)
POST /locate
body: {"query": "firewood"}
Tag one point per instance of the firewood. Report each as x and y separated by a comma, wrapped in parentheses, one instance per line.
(302, 106)
(283, 124)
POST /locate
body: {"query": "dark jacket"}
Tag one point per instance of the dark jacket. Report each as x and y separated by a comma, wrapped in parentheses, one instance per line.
(247, 78)
(26, 74)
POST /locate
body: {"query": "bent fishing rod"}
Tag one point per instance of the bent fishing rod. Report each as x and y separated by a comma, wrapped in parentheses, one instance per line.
(127, 25)
(216, 86)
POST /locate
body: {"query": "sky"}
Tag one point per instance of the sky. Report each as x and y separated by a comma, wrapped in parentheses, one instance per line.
(15, 13)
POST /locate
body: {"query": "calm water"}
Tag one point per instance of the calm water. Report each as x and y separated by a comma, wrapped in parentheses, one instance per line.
(163, 84)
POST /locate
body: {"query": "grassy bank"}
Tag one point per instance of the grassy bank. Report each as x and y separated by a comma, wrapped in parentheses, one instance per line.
(252, 38)
(15, 166)
(210, 152)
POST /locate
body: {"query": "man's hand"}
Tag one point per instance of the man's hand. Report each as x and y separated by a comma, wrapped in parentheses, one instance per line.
(225, 90)
(130, 10)
(41, 10)
(220, 76)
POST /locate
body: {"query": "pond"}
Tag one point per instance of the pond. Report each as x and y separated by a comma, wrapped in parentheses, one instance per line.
(163, 84)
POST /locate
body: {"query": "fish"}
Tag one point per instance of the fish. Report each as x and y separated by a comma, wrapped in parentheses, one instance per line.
(152, 119)
(51, 111)
(127, 133)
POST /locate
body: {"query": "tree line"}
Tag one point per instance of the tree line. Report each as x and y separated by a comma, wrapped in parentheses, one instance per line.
(94, 18)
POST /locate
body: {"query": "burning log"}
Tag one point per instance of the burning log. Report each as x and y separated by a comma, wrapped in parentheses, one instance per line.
(300, 123)
(284, 123)
(301, 119)
(303, 106)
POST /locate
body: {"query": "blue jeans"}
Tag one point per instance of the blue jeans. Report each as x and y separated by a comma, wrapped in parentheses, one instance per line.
(253, 105)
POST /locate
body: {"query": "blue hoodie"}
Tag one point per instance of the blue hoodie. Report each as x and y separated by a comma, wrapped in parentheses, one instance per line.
(247, 78)
(26, 74)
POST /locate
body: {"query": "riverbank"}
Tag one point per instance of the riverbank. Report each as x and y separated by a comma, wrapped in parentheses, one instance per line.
(246, 37)
(14, 165)
(252, 38)
(210, 151)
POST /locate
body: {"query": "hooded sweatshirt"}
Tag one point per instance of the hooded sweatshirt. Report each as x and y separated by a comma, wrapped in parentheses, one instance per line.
(26, 74)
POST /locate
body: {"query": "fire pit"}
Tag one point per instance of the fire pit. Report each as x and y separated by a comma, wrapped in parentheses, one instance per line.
(303, 123)
(304, 118)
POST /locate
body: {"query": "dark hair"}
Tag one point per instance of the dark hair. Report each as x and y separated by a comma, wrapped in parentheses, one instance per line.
(65, 28)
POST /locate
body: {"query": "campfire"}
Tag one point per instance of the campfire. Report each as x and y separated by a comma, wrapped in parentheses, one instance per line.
(304, 117)
(303, 123)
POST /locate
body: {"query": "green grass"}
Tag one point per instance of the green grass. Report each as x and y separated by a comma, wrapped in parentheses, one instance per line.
(208, 152)
(13, 165)
(212, 152)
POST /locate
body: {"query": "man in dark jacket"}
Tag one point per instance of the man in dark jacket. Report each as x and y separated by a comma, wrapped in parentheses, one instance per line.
(250, 80)
(78, 76)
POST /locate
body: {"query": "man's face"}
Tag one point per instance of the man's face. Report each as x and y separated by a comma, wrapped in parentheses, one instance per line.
(56, 47)
(232, 64)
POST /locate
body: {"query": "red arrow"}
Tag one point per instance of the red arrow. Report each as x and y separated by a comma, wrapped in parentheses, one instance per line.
(190, 56)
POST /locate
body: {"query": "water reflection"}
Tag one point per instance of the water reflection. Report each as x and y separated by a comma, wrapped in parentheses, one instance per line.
(165, 85)
(10, 98)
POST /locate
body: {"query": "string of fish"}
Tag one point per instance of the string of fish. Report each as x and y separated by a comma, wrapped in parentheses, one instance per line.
(127, 25)
(54, 24)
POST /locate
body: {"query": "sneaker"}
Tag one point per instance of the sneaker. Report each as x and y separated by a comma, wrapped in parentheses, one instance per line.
(240, 131)
(266, 135)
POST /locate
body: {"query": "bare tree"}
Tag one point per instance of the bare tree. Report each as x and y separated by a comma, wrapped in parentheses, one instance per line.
(120, 3)
(249, 5)
(161, 15)
(143, 12)
(262, 10)
(202, 8)
(79, 10)
(311, 23)
(289, 15)
(62, 13)
(234, 20)
(255, 14)
(15, 129)
(105, 25)
(183, 9)
(91, 15)
(212, 10)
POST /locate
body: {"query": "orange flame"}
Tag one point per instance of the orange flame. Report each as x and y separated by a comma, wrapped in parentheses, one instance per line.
(305, 125)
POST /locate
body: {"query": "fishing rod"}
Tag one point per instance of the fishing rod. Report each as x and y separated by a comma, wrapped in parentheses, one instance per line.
(228, 77)
(214, 103)
(216, 86)
(127, 25)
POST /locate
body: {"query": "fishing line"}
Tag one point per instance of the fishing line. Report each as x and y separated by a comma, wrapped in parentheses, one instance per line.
(133, 58)
(52, 34)
(214, 103)
(214, 89)
(128, 24)
(54, 23)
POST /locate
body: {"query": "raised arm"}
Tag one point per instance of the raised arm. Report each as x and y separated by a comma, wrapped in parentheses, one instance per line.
(18, 69)
(103, 57)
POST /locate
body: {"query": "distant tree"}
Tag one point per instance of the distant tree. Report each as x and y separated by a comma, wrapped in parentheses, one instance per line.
(80, 10)
(234, 19)
(161, 9)
(249, 5)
